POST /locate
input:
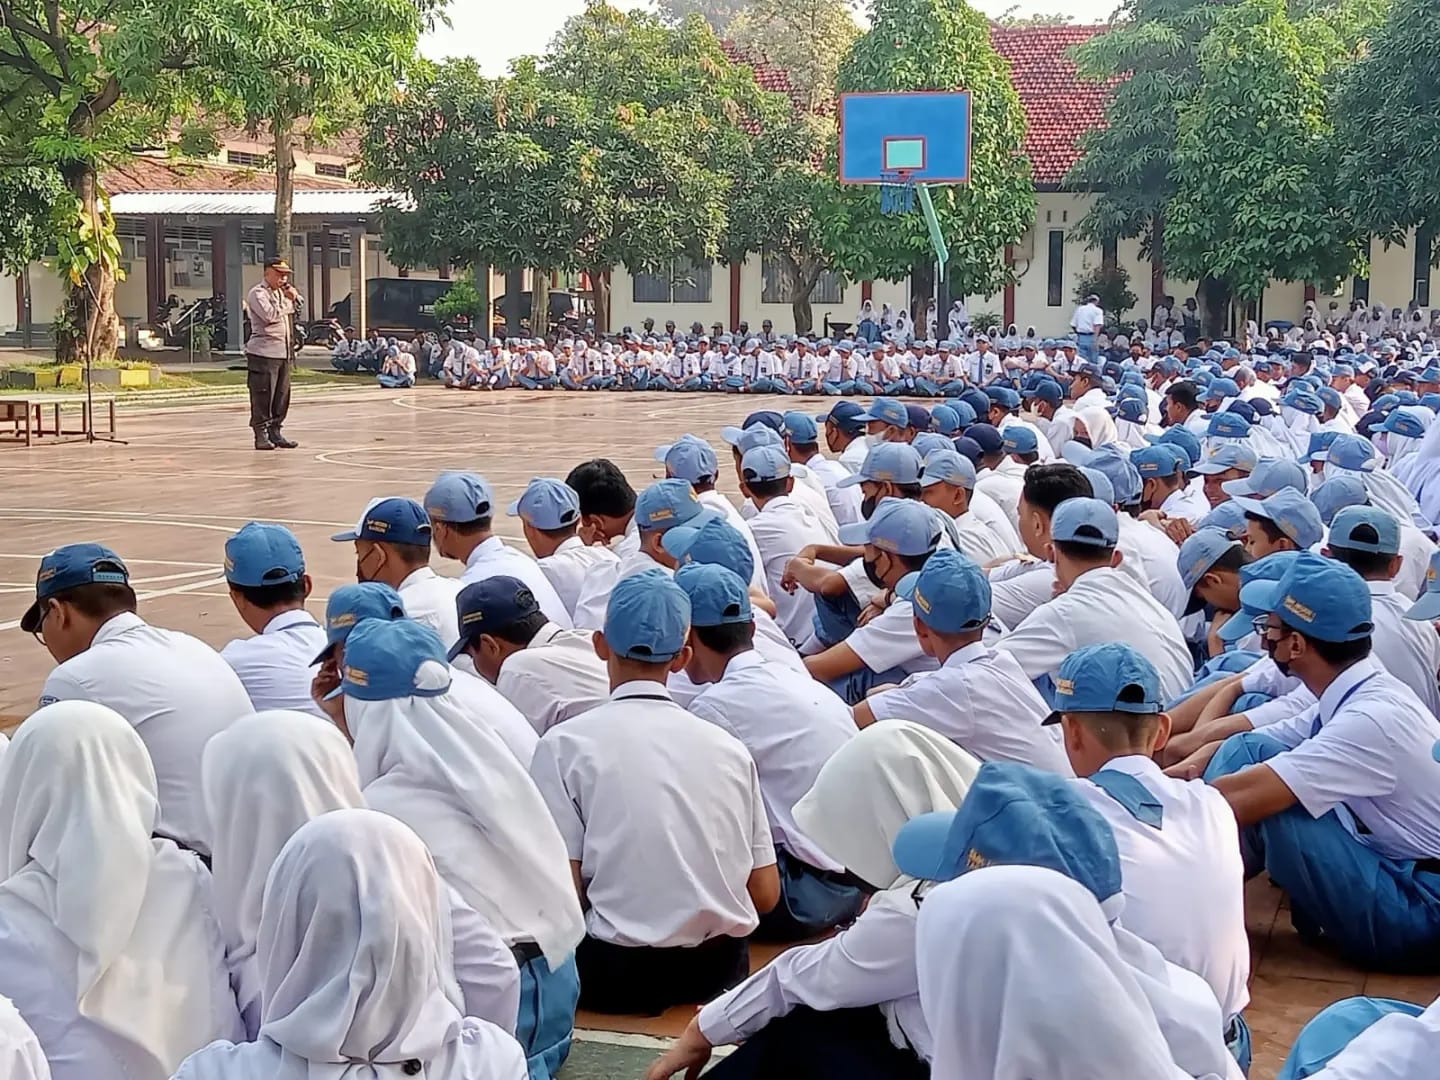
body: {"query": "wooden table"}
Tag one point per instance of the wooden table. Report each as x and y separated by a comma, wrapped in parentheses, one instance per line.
(26, 416)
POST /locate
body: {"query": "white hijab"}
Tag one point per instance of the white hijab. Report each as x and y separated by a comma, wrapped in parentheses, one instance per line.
(1403, 450)
(868, 789)
(1056, 999)
(265, 776)
(427, 762)
(1385, 490)
(1129, 433)
(78, 803)
(1422, 468)
(1099, 425)
(21, 1057)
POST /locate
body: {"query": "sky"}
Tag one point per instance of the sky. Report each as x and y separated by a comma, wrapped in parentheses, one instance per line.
(496, 31)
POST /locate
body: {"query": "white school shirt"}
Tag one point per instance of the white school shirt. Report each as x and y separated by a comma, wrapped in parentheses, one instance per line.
(1152, 557)
(716, 501)
(568, 565)
(1184, 882)
(1042, 444)
(1186, 502)
(870, 962)
(981, 701)
(781, 528)
(844, 502)
(555, 677)
(790, 724)
(996, 519)
(493, 710)
(1395, 1047)
(889, 641)
(1104, 604)
(20, 1055)
(275, 664)
(1416, 548)
(1409, 649)
(1088, 319)
(854, 454)
(978, 540)
(175, 691)
(1003, 485)
(493, 557)
(600, 579)
(663, 812)
(1371, 759)
(429, 599)
(809, 490)
(1017, 588)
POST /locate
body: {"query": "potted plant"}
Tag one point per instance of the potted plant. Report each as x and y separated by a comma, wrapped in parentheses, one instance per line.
(201, 337)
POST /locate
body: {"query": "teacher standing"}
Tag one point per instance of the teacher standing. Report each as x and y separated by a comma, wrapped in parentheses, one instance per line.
(270, 354)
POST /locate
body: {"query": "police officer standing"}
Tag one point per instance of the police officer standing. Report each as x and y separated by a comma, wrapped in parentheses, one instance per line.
(270, 354)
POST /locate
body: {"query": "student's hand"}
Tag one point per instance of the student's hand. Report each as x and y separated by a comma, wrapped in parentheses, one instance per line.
(326, 680)
(872, 611)
(1154, 517)
(788, 581)
(690, 1054)
(1179, 529)
(809, 553)
(590, 533)
(1193, 767)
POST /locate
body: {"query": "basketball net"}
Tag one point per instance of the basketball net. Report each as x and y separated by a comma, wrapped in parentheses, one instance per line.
(897, 192)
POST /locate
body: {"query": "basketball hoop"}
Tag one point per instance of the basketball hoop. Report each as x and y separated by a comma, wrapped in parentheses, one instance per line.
(897, 192)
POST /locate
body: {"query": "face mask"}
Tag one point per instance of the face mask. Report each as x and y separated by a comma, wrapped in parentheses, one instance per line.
(867, 506)
(872, 572)
(1083, 440)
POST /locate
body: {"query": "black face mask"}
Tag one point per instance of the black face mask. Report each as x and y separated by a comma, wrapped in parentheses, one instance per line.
(872, 572)
(1083, 440)
(867, 506)
(1282, 666)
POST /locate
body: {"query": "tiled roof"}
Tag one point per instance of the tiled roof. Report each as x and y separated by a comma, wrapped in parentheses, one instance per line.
(166, 174)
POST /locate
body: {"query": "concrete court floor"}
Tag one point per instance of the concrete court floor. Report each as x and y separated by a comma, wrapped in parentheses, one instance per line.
(187, 478)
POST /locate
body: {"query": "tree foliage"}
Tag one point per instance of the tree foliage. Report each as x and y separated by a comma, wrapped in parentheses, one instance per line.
(939, 45)
(806, 39)
(32, 200)
(718, 13)
(1112, 285)
(1011, 17)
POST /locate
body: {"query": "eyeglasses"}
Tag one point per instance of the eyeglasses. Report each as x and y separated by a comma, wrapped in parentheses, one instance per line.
(45, 608)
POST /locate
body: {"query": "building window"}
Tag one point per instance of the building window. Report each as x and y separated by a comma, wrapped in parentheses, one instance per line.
(339, 251)
(244, 157)
(252, 245)
(131, 234)
(829, 286)
(685, 283)
(324, 168)
(189, 256)
(1362, 289)
(1424, 247)
(1055, 285)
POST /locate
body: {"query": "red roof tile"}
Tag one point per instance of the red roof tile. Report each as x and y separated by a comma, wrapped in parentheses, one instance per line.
(165, 174)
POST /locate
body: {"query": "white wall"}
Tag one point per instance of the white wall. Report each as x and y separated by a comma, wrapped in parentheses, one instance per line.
(9, 316)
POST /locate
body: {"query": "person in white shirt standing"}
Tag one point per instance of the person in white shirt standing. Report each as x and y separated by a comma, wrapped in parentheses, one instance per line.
(172, 688)
(549, 513)
(461, 509)
(802, 442)
(1087, 322)
(789, 723)
(663, 819)
(265, 572)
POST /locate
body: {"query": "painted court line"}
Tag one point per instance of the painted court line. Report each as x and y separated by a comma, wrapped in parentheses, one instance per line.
(14, 624)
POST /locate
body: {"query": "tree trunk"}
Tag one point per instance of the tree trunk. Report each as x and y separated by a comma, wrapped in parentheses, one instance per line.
(539, 303)
(922, 291)
(1214, 307)
(483, 322)
(512, 306)
(600, 294)
(89, 329)
(284, 133)
(799, 285)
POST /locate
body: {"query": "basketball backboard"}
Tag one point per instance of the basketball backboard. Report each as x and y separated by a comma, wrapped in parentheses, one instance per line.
(924, 134)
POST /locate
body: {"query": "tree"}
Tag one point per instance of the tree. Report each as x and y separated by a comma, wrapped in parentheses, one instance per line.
(1011, 17)
(1255, 196)
(806, 39)
(31, 200)
(1387, 120)
(718, 13)
(938, 45)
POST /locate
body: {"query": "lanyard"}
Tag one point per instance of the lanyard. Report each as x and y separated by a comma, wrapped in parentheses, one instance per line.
(1341, 703)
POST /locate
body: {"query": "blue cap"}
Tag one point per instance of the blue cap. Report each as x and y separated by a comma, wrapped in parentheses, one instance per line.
(968, 448)
(710, 540)
(70, 567)
(390, 521)
(1353, 452)
(764, 463)
(1319, 443)
(1159, 459)
(951, 594)
(1085, 521)
(351, 605)
(1047, 390)
(846, 415)
(1014, 815)
(919, 417)
(1225, 457)
(800, 428)
(490, 605)
(395, 659)
(1114, 462)
(1228, 517)
(1365, 528)
(262, 554)
(1003, 396)
(718, 596)
(459, 497)
(1201, 550)
(948, 467)
(1228, 425)
(1338, 492)
(1303, 401)
(946, 419)
(1132, 409)
(1330, 396)
(1112, 677)
(1427, 607)
(1220, 389)
(764, 418)
(1290, 512)
(1430, 375)
(1319, 597)
(899, 526)
(977, 399)
(930, 442)
(667, 503)
(1181, 437)
(1431, 401)
(1385, 402)
(747, 438)
(648, 617)
(987, 437)
(547, 503)
(689, 458)
(1020, 440)
(889, 410)
(888, 463)
(1100, 486)
(1407, 397)
(1270, 475)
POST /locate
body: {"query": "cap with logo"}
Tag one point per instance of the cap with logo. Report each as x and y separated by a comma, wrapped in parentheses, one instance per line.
(667, 503)
(899, 526)
(547, 504)
(1183, 438)
(718, 597)
(1427, 605)
(1112, 677)
(945, 419)
(1365, 528)
(1227, 517)
(648, 618)
(948, 467)
(1132, 409)
(765, 463)
(1321, 598)
(1018, 439)
(1253, 578)
(710, 540)
(458, 498)
(262, 554)
(845, 415)
(70, 567)
(1290, 512)
(1338, 492)
(1112, 460)
(889, 411)
(390, 521)
(1319, 443)
(1201, 550)
(800, 428)
(888, 463)
(1228, 425)
(1085, 521)
(1159, 459)
(689, 458)
(395, 659)
(1227, 456)
(490, 605)
(950, 594)
(350, 605)
(747, 438)
(1270, 475)
(1353, 452)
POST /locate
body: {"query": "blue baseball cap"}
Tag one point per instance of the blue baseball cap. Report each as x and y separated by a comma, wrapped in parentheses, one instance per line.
(1228, 425)
(386, 660)
(710, 540)
(946, 419)
(889, 411)
(1385, 402)
(1219, 389)
(899, 526)
(667, 503)
(1225, 457)
(1183, 438)
(1427, 606)
(491, 604)
(1132, 409)
(390, 521)
(1085, 521)
(1319, 597)
(1290, 512)
(1353, 452)
(800, 428)
(1015, 815)
(987, 437)
(70, 567)
(747, 438)
(1270, 475)
(351, 605)
(919, 417)
(948, 467)
(459, 497)
(888, 463)
(764, 463)
(845, 415)
(1003, 396)
(1319, 443)
(262, 554)
(1303, 401)
(718, 596)
(1330, 396)
(764, 418)
(1100, 486)
(1228, 517)
(1112, 677)
(1365, 528)
(968, 448)
(547, 503)
(977, 399)
(1430, 375)
(929, 442)
(1201, 550)
(1338, 492)
(689, 458)
(950, 594)
(1019, 440)
(1047, 390)
(1115, 463)
(648, 617)
(1159, 459)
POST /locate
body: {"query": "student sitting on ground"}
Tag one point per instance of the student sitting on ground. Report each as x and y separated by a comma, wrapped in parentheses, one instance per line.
(549, 513)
